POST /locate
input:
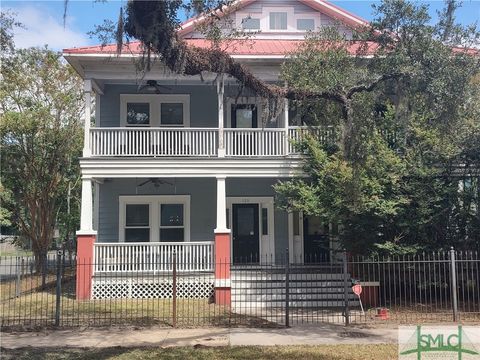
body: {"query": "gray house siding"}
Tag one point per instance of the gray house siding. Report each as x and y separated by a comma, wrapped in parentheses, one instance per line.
(202, 205)
(203, 103)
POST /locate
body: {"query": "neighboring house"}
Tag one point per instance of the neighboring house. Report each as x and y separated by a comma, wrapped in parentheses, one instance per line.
(174, 162)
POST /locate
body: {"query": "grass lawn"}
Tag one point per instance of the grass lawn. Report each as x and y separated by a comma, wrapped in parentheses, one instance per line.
(323, 352)
(15, 253)
(38, 310)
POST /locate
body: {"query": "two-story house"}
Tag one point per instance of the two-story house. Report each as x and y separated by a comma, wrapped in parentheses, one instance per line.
(182, 163)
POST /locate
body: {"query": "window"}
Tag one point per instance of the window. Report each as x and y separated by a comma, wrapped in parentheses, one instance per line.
(154, 218)
(305, 24)
(137, 223)
(138, 114)
(155, 110)
(278, 21)
(264, 221)
(171, 222)
(250, 23)
(296, 223)
(171, 113)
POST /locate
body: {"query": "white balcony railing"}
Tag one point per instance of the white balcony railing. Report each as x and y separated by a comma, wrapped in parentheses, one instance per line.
(152, 257)
(202, 142)
(255, 142)
(154, 141)
(325, 135)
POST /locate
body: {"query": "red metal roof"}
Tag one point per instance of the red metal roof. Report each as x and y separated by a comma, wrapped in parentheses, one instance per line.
(251, 47)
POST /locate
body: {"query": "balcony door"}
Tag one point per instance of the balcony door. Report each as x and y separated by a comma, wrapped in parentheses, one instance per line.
(244, 116)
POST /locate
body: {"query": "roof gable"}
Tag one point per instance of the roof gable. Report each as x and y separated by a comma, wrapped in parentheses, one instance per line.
(325, 7)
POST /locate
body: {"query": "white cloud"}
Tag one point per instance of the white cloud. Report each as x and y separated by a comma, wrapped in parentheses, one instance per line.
(42, 28)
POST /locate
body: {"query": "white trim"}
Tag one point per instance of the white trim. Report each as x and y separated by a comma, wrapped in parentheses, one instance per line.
(221, 222)
(155, 101)
(264, 18)
(96, 204)
(86, 210)
(199, 167)
(341, 12)
(295, 242)
(266, 242)
(86, 232)
(315, 16)
(154, 202)
(222, 283)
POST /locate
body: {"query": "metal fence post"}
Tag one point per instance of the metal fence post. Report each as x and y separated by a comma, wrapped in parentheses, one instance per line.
(18, 282)
(58, 288)
(345, 288)
(453, 275)
(287, 289)
(174, 289)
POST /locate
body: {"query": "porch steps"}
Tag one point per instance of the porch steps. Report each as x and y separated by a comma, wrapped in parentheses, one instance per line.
(310, 289)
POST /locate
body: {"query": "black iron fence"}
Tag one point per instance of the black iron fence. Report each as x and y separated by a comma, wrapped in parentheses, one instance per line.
(435, 287)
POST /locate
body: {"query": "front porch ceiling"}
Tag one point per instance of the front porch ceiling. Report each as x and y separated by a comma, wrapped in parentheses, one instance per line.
(122, 70)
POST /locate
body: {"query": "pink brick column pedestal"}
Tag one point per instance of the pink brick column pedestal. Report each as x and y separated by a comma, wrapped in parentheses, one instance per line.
(223, 294)
(84, 265)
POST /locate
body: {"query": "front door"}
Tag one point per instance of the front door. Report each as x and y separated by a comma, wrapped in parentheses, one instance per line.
(246, 237)
(316, 243)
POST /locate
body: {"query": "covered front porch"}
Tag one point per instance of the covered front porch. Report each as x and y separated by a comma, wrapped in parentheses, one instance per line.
(203, 224)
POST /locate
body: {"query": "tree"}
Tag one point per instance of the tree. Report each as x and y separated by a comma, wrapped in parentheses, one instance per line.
(7, 24)
(41, 139)
(404, 196)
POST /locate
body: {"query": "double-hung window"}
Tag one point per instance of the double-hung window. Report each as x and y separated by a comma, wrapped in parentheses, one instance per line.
(137, 222)
(278, 20)
(155, 218)
(169, 110)
(172, 224)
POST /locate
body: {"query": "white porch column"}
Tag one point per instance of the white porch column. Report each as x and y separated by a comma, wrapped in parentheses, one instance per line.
(220, 92)
(87, 89)
(86, 213)
(285, 124)
(221, 206)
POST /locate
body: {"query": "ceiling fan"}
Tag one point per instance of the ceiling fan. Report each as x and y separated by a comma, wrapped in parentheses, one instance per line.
(153, 85)
(156, 182)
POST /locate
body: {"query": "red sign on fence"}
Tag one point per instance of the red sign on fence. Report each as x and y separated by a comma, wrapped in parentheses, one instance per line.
(357, 289)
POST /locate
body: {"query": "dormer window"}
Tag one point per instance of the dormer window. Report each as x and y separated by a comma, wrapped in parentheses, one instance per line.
(305, 24)
(250, 23)
(278, 20)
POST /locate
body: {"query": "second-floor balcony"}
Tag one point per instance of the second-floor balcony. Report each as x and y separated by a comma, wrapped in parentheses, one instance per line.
(200, 142)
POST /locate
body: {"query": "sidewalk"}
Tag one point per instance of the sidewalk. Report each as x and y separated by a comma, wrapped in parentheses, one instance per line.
(164, 337)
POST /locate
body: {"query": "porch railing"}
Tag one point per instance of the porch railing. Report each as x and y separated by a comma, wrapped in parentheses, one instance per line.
(325, 134)
(203, 142)
(152, 257)
(255, 142)
(154, 141)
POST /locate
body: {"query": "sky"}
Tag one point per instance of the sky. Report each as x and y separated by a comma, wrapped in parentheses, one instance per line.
(44, 19)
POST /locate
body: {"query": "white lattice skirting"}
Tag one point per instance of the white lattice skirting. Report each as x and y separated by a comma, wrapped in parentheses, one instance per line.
(155, 288)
